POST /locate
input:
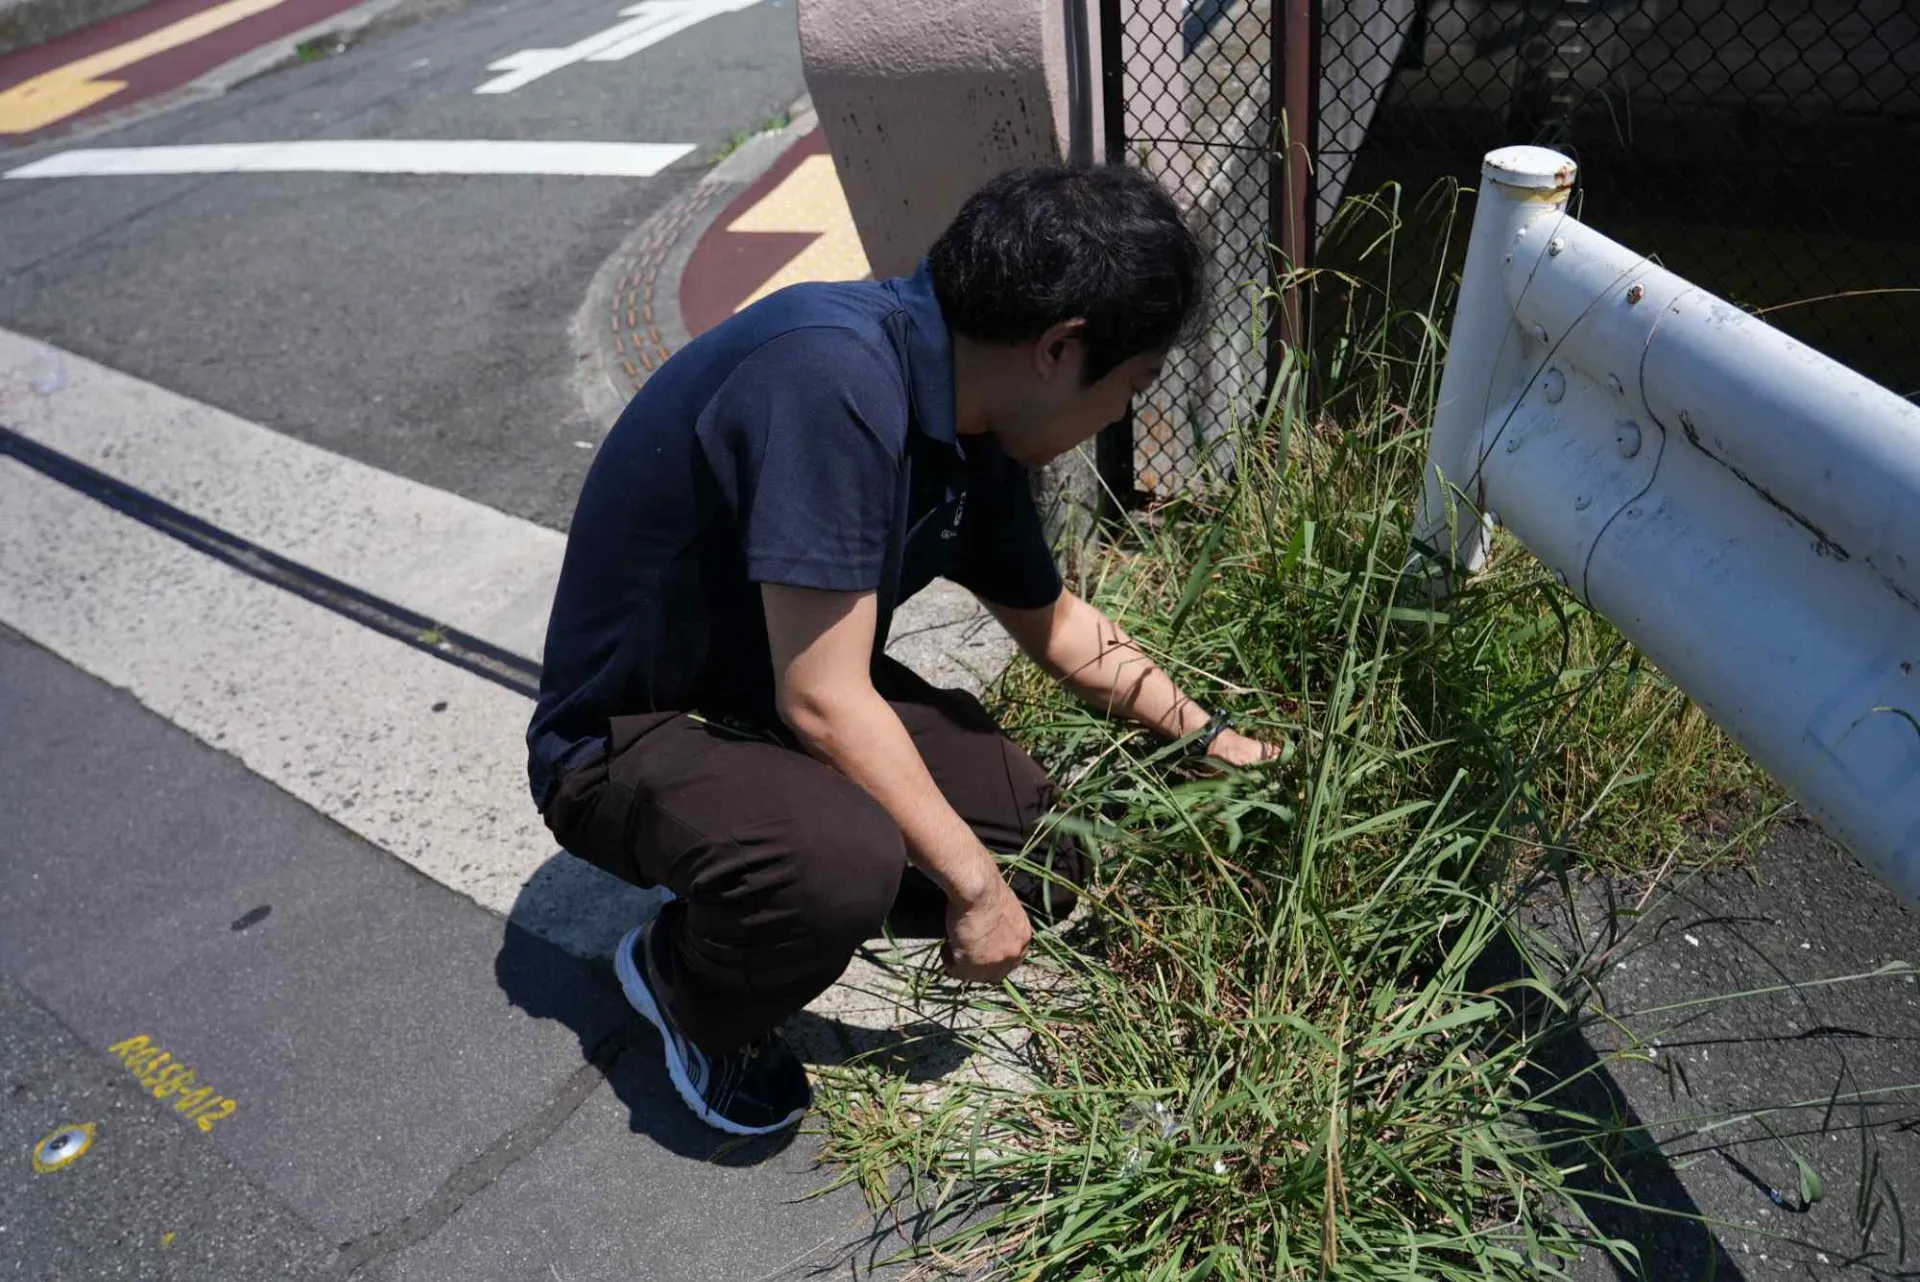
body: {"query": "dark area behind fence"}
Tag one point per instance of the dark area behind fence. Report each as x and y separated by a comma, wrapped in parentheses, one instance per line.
(1768, 150)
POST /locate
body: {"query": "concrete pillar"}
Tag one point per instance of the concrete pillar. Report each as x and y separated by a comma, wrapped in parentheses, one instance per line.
(924, 100)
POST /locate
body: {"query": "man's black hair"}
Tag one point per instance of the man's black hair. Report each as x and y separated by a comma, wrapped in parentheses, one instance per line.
(1038, 246)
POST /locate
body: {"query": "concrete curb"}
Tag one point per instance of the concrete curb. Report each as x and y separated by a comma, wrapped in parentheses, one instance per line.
(26, 23)
(278, 53)
(641, 278)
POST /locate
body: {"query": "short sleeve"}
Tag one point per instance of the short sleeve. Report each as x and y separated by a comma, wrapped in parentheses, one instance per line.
(804, 440)
(1004, 554)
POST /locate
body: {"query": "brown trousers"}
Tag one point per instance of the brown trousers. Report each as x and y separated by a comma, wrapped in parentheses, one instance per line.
(781, 866)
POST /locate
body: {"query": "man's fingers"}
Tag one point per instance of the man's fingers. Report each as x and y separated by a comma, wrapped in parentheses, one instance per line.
(972, 973)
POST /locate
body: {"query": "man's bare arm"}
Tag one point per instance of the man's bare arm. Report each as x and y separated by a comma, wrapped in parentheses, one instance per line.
(1093, 657)
(822, 645)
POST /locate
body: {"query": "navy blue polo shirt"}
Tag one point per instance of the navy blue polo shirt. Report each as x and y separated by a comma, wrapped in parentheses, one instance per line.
(807, 441)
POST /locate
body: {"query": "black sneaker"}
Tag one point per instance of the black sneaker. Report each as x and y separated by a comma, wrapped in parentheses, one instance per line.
(756, 1090)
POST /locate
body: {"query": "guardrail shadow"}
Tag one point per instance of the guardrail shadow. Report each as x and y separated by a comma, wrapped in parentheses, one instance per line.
(1672, 1242)
(1745, 1052)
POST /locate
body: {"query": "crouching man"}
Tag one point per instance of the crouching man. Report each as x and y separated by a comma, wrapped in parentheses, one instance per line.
(716, 714)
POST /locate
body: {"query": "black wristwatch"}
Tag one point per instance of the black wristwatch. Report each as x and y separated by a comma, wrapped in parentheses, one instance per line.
(1215, 728)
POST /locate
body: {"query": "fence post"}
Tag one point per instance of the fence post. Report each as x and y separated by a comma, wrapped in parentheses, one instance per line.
(1113, 450)
(1520, 187)
(1293, 68)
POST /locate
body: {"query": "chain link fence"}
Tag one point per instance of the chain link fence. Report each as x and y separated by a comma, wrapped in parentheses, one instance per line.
(1768, 150)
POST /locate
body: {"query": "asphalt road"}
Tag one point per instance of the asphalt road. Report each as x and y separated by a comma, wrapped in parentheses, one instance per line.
(421, 1090)
(419, 323)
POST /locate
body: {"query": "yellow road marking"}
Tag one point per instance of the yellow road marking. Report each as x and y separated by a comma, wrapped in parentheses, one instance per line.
(54, 95)
(809, 200)
(165, 1077)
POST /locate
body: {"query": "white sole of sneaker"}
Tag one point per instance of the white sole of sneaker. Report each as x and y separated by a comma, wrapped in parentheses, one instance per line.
(640, 997)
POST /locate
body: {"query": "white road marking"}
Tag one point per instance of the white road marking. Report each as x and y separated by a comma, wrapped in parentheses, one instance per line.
(456, 561)
(648, 23)
(369, 156)
(337, 715)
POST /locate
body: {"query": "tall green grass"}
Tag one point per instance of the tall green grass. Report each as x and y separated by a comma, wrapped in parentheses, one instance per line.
(1297, 1033)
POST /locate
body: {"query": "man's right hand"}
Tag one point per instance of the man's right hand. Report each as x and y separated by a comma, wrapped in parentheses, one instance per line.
(987, 934)
(822, 646)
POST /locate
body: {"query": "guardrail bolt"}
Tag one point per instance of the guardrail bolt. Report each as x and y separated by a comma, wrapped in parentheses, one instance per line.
(1627, 437)
(1554, 385)
(1556, 246)
(1636, 293)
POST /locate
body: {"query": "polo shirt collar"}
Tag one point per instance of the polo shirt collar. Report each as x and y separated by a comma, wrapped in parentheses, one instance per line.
(929, 356)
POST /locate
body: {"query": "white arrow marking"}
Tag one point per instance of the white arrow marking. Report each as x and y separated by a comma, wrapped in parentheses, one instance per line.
(649, 22)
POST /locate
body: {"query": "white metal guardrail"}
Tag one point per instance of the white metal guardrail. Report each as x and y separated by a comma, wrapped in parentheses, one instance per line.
(1744, 509)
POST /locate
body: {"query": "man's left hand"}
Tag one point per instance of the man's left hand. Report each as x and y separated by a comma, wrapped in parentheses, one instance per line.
(1236, 749)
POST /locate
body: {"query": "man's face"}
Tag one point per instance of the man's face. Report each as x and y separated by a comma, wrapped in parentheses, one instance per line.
(1062, 413)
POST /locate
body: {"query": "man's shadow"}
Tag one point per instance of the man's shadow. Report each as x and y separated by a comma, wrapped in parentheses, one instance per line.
(568, 899)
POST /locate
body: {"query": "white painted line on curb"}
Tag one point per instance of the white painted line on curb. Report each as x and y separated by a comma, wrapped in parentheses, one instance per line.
(458, 562)
(648, 23)
(369, 156)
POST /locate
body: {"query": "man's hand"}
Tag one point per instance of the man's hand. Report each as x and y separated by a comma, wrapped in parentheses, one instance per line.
(987, 935)
(822, 644)
(1236, 749)
(1089, 654)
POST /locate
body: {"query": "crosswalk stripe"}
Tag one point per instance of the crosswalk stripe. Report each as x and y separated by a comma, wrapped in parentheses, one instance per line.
(341, 717)
(366, 156)
(455, 561)
(388, 618)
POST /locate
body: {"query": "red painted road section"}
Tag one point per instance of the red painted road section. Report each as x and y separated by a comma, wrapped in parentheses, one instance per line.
(167, 70)
(727, 266)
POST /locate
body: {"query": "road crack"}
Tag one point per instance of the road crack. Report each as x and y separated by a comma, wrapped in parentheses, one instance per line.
(478, 1173)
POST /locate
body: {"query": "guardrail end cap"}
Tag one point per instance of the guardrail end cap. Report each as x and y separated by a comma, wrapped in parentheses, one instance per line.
(1530, 168)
